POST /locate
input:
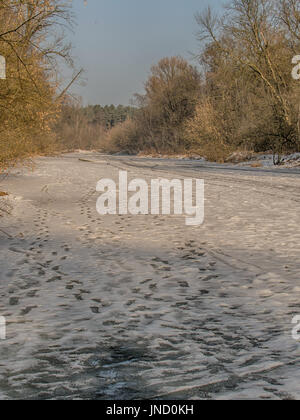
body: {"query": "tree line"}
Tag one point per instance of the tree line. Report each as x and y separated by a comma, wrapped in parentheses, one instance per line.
(241, 97)
(37, 115)
(80, 127)
(32, 43)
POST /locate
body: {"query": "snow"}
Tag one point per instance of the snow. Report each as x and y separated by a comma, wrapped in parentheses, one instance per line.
(122, 307)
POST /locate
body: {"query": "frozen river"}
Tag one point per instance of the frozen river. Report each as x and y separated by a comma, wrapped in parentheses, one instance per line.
(136, 307)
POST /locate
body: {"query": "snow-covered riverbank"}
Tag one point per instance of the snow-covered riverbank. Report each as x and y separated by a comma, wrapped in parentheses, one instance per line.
(143, 307)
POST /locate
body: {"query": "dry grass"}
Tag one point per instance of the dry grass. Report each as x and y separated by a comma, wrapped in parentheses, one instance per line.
(256, 165)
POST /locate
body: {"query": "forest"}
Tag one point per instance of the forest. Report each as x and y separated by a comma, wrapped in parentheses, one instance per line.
(242, 97)
(236, 94)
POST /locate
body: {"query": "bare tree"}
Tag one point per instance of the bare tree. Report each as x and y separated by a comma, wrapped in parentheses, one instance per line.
(32, 42)
(253, 35)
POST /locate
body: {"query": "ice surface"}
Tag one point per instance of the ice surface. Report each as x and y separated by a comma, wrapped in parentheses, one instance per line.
(144, 307)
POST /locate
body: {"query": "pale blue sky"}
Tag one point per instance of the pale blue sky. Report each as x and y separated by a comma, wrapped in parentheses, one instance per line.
(117, 41)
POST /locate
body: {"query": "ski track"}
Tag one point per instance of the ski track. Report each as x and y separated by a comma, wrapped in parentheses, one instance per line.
(124, 307)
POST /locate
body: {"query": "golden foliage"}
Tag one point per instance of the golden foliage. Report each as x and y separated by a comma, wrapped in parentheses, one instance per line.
(28, 106)
(206, 135)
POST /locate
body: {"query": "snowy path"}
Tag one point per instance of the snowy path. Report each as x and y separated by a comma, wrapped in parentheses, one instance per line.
(144, 307)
